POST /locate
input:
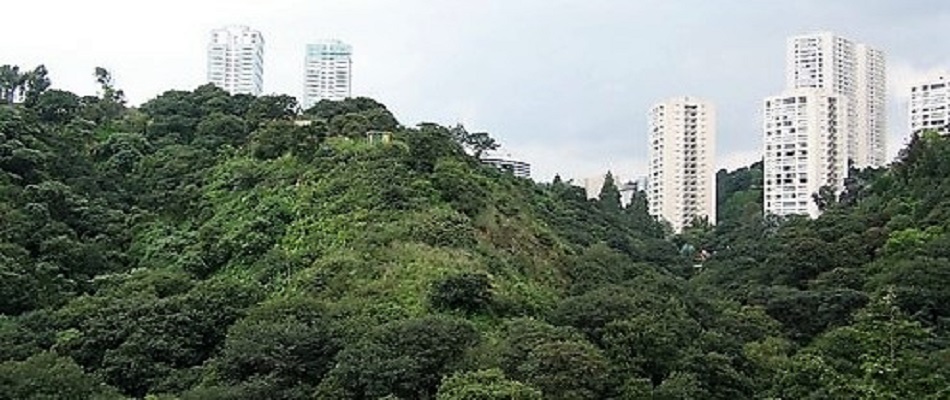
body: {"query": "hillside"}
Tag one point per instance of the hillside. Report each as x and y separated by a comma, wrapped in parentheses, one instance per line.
(214, 246)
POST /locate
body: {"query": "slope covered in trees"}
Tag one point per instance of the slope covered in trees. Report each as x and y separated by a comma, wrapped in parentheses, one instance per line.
(207, 246)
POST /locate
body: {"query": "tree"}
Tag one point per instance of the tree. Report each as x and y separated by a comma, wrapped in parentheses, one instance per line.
(680, 386)
(521, 336)
(882, 355)
(609, 197)
(220, 129)
(270, 108)
(826, 197)
(476, 142)
(107, 85)
(34, 83)
(175, 331)
(485, 385)
(651, 345)
(285, 348)
(56, 106)
(466, 292)
(567, 371)
(353, 116)
(893, 345)
(278, 138)
(406, 359)
(598, 266)
(638, 213)
(48, 376)
(111, 102)
(593, 311)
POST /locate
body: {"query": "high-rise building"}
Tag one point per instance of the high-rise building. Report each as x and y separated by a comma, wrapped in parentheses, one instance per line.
(804, 148)
(845, 68)
(870, 98)
(930, 105)
(327, 72)
(681, 178)
(236, 60)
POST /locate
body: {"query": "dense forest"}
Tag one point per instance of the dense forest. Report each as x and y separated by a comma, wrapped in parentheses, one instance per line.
(209, 246)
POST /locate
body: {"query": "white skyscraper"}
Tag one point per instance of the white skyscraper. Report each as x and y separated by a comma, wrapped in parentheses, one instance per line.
(805, 148)
(236, 60)
(682, 176)
(930, 105)
(854, 70)
(327, 72)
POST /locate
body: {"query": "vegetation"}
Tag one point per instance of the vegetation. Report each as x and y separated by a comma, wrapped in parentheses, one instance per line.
(209, 246)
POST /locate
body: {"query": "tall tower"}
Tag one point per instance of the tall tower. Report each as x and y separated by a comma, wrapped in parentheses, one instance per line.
(681, 180)
(236, 60)
(327, 72)
(804, 148)
(854, 70)
(930, 105)
(871, 91)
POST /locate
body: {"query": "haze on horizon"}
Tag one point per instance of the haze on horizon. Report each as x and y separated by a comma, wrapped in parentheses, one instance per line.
(564, 85)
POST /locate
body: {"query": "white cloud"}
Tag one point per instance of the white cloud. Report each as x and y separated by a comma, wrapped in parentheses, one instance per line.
(901, 75)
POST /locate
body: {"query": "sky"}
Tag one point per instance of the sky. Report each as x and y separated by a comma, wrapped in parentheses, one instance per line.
(564, 85)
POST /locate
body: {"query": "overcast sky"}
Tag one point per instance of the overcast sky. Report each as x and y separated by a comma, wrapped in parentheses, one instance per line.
(564, 85)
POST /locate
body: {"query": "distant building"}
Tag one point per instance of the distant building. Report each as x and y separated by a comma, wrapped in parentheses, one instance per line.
(236, 60)
(831, 116)
(853, 70)
(930, 105)
(508, 164)
(328, 72)
(805, 148)
(682, 148)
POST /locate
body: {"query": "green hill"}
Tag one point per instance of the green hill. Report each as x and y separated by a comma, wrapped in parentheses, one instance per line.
(213, 246)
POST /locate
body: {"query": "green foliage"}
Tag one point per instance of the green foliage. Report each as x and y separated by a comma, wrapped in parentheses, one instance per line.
(353, 117)
(270, 108)
(609, 196)
(283, 349)
(475, 142)
(48, 376)
(599, 265)
(567, 370)
(466, 292)
(485, 385)
(739, 193)
(175, 329)
(406, 359)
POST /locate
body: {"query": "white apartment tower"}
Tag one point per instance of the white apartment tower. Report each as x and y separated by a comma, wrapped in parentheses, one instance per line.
(236, 60)
(805, 148)
(930, 105)
(845, 68)
(327, 72)
(682, 178)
